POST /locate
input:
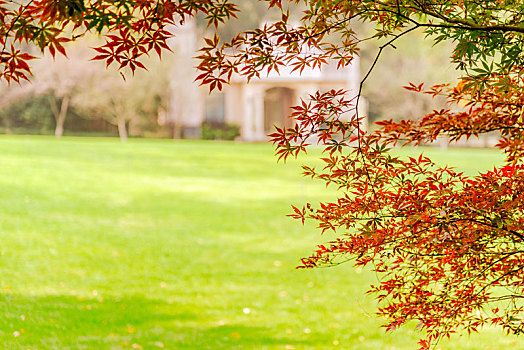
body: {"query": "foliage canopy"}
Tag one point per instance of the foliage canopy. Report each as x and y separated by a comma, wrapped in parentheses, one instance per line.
(448, 248)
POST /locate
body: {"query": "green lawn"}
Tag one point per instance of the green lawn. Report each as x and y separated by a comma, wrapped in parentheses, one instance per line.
(177, 245)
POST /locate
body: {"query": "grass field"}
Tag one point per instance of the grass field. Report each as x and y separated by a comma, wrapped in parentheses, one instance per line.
(177, 245)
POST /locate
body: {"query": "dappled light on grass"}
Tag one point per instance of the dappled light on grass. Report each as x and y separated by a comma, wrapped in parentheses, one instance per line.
(183, 245)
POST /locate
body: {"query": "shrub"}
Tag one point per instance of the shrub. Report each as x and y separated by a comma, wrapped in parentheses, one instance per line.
(219, 131)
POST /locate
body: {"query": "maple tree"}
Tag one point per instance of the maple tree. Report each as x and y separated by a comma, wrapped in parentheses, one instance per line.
(132, 28)
(447, 247)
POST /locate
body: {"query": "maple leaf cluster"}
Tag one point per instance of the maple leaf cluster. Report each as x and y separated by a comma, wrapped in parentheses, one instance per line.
(447, 248)
(132, 29)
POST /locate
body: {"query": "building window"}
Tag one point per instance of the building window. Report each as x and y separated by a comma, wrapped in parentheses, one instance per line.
(215, 108)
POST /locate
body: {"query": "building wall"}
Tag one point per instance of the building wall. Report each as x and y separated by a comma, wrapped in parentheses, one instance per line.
(244, 103)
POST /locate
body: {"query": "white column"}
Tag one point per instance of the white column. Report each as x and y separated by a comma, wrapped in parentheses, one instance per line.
(187, 102)
(248, 109)
(260, 133)
(353, 86)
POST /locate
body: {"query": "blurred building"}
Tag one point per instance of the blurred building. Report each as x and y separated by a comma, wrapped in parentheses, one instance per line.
(254, 107)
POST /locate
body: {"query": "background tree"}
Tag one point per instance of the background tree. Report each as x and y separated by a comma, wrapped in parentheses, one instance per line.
(413, 59)
(88, 93)
(132, 105)
(60, 79)
(21, 109)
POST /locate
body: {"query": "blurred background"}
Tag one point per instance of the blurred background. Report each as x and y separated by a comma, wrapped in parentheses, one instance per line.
(76, 96)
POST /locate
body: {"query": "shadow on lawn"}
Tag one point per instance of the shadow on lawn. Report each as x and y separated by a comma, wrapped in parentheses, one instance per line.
(134, 322)
(63, 322)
